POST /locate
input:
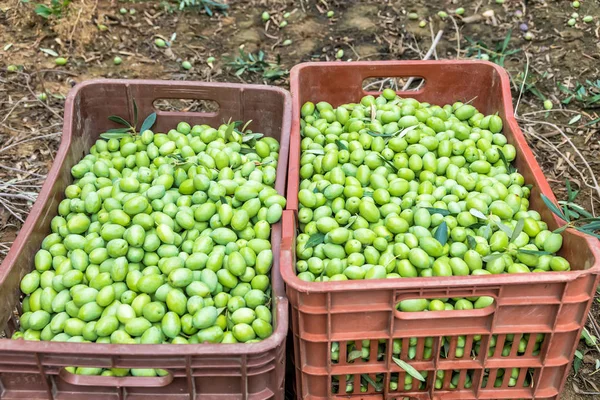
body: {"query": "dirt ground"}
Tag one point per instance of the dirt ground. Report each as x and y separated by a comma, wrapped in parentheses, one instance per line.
(90, 34)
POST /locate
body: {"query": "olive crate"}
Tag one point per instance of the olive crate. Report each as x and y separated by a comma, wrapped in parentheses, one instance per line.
(36, 370)
(348, 335)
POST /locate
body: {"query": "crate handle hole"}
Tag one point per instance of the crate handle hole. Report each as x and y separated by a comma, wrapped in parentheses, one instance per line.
(114, 381)
(207, 107)
(396, 83)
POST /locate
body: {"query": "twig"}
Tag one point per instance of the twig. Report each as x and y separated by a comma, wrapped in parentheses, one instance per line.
(354, 51)
(27, 79)
(75, 26)
(8, 208)
(13, 109)
(561, 153)
(426, 57)
(522, 84)
(382, 81)
(17, 196)
(23, 171)
(30, 140)
(555, 110)
(589, 168)
(457, 36)
(432, 39)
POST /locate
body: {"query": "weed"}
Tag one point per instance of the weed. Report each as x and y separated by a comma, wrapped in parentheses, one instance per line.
(206, 5)
(530, 83)
(57, 8)
(587, 94)
(256, 63)
(497, 56)
(573, 214)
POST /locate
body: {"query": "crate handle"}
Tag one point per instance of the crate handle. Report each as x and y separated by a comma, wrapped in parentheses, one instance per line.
(114, 381)
(227, 96)
(481, 312)
(371, 88)
(211, 102)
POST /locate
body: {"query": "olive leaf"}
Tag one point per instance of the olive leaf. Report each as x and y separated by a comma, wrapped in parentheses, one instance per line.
(562, 229)
(409, 369)
(341, 145)
(376, 134)
(592, 226)
(576, 208)
(247, 150)
(572, 194)
(402, 132)
(118, 130)
(590, 340)
(577, 361)
(315, 240)
(486, 230)
(441, 233)
(518, 229)
(223, 200)
(220, 310)
(557, 211)
(509, 168)
(114, 135)
(246, 125)
(317, 152)
(251, 136)
(472, 242)
(135, 113)
(378, 387)
(491, 257)
(354, 355)
(148, 122)
(504, 228)
(446, 349)
(433, 210)
(476, 225)
(570, 213)
(388, 162)
(119, 120)
(351, 221)
(229, 131)
(533, 252)
(50, 52)
(476, 213)
(574, 119)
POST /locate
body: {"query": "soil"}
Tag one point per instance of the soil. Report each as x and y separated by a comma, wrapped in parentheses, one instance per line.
(90, 34)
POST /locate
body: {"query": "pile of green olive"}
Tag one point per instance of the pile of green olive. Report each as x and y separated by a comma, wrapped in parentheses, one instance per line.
(394, 188)
(161, 238)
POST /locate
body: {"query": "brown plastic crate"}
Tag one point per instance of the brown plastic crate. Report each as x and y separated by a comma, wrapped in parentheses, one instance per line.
(554, 304)
(35, 370)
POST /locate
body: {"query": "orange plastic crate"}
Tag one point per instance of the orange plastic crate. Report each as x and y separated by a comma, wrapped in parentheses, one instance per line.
(333, 313)
(35, 370)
